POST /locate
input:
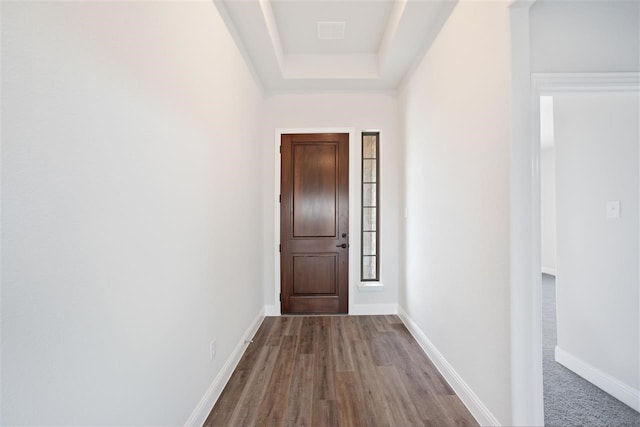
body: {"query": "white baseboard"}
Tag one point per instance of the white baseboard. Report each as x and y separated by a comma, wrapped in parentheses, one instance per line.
(373, 309)
(616, 388)
(547, 270)
(480, 412)
(204, 407)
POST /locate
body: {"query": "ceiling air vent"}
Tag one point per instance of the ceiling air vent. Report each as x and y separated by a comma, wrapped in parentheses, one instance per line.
(331, 30)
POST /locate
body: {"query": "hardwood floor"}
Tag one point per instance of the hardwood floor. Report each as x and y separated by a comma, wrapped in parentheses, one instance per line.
(336, 371)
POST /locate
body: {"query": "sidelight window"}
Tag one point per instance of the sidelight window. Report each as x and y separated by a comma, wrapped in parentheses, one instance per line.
(370, 248)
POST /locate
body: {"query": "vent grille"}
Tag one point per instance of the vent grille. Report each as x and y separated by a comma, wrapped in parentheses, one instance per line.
(331, 30)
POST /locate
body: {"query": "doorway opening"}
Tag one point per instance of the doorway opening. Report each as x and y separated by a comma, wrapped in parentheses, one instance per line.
(588, 169)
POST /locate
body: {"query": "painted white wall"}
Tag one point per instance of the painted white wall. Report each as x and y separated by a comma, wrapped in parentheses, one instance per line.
(548, 212)
(456, 131)
(585, 36)
(547, 187)
(131, 226)
(356, 111)
(598, 284)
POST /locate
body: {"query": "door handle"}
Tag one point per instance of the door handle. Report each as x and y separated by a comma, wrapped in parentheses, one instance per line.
(344, 245)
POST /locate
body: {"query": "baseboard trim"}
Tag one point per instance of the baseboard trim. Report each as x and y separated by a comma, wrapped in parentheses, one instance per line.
(204, 407)
(480, 412)
(616, 388)
(550, 271)
(373, 309)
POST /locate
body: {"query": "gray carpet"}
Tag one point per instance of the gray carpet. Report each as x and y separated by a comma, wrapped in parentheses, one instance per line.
(569, 400)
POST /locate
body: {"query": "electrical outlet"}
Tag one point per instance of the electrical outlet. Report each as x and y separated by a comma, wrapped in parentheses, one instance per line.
(212, 349)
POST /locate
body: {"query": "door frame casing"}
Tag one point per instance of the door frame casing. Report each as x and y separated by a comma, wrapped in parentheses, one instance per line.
(354, 211)
(528, 255)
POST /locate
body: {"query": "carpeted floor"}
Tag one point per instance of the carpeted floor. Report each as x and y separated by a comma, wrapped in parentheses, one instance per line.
(569, 400)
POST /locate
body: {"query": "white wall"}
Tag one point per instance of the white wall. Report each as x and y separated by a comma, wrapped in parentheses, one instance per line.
(456, 127)
(598, 258)
(359, 111)
(548, 215)
(131, 226)
(585, 36)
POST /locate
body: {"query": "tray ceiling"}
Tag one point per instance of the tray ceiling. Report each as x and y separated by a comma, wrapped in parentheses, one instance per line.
(382, 40)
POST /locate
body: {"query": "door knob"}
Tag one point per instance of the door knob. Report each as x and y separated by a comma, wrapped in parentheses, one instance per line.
(344, 245)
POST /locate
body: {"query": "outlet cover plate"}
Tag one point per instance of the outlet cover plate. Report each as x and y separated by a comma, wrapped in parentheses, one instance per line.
(212, 349)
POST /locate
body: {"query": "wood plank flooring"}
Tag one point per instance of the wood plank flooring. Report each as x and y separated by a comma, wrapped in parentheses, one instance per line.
(336, 371)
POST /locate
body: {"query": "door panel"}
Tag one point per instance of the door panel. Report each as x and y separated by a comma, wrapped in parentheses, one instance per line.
(314, 274)
(315, 179)
(314, 223)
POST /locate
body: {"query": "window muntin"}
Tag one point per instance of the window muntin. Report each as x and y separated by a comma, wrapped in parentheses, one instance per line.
(370, 229)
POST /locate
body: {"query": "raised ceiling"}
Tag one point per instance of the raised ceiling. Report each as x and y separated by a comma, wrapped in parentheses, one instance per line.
(383, 39)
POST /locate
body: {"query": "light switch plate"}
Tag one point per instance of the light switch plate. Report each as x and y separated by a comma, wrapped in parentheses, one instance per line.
(613, 209)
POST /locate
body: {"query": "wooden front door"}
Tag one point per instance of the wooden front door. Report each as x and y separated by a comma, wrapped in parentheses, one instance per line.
(314, 223)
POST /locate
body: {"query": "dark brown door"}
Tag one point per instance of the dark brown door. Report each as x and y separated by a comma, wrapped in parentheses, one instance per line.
(314, 223)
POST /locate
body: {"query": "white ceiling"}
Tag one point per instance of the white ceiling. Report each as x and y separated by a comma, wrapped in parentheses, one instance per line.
(383, 40)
